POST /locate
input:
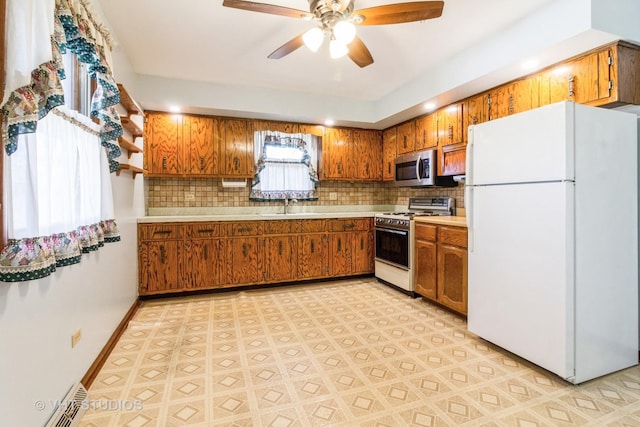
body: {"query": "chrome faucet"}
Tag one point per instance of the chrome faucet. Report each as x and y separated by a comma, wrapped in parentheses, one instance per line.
(287, 202)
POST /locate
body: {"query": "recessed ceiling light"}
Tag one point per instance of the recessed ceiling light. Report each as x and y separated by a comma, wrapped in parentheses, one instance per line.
(329, 122)
(429, 106)
(174, 109)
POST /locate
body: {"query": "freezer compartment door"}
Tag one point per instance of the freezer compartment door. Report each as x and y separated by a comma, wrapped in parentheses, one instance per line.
(532, 146)
(520, 282)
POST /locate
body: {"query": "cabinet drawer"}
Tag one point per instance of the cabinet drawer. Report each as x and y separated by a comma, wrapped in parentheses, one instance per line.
(456, 236)
(354, 224)
(161, 232)
(312, 226)
(281, 227)
(203, 229)
(426, 232)
(245, 228)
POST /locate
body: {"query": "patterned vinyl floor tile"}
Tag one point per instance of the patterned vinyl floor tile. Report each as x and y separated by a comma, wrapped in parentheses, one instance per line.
(343, 353)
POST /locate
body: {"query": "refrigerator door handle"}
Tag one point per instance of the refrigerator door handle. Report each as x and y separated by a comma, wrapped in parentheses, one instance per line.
(469, 159)
(468, 203)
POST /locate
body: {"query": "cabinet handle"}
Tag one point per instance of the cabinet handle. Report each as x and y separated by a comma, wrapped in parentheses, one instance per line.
(236, 163)
(245, 229)
(511, 104)
(424, 138)
(474, 120)
(450, 131)
(201, 162)
(313, 246)
(571, 80)
(339, 167)
(350, 225)
(205, 230)
(162, 232)
(244, 250)
(361, 244)
(389, 167)
(280, 250)
(366, 168)
(206, 252)
(339, 244)
(163, 255)
(164, 162)
(404, 141)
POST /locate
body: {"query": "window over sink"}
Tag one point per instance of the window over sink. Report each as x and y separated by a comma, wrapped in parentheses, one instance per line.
(286, 166)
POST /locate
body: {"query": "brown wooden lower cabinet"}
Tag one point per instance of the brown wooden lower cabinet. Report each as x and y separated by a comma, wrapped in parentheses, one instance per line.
(441, 265)
(176, 257)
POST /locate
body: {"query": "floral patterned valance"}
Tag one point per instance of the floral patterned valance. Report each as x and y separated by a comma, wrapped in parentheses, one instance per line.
(74, 28)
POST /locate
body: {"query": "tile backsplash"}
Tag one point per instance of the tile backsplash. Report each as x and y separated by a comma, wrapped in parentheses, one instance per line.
(203, 193)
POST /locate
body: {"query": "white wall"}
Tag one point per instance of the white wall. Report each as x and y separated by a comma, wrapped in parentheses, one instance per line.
(37, 319)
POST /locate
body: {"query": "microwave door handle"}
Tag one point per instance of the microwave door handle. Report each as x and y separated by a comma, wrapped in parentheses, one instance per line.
(419, 168)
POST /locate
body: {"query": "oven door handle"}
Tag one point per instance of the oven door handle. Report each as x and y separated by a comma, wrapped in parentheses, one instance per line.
(388, 230)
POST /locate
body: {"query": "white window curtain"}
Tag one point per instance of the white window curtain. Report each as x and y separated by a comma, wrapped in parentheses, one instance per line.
(58, 198)
(277, 179)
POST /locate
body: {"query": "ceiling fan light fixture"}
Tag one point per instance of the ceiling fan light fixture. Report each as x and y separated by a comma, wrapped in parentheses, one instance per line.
(337, 49)
(344, 31)
(313, 39)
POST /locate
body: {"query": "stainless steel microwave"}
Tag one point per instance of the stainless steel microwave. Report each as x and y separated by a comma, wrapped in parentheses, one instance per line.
(419, 170)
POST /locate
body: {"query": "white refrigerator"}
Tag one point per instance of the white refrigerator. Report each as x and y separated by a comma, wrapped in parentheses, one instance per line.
(551, 199)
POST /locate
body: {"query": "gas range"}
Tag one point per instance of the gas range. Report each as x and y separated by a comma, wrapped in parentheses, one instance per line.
(432, 206)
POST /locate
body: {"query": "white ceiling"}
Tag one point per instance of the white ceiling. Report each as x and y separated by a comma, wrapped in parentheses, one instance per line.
(202, 41)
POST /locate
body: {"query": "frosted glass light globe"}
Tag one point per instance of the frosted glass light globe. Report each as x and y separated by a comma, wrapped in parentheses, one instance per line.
(313, 39)
(344, 31)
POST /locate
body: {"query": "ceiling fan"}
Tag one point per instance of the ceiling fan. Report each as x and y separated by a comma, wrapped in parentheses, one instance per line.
(337, 21)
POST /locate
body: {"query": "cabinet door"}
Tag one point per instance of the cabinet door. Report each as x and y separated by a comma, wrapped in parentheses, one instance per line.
(340, 254)
(583, 79)
(406, 137)
(203, 261)
(363, 252)
(425, 260)
(280, 258)
(313, 256)
(242, 261)
(368, 145)
(161, 266)
(475, 112)
(389, 154)
(336, 161)
(554, 85)
(452, 277)
(238, 149)
(165, 140)
(452, 160)
(198, 134)
(426, 132)
(450, 124)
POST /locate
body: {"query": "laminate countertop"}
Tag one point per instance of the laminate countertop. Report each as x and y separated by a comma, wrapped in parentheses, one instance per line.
(456, 221)
(254, 216)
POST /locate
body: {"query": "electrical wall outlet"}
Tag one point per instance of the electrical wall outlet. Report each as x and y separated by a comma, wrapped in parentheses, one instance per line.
(75, 337)
(333, 196)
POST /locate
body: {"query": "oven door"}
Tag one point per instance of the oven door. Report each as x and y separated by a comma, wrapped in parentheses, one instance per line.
(392, 246)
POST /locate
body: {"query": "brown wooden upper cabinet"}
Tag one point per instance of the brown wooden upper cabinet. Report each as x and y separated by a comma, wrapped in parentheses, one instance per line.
(514, 97)
(406, 137)
(335, 156)
(450, 124)
(181, 145)
(237, 148)
(426, 132)
(367, 147)
(389, 153)
(190, 145)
